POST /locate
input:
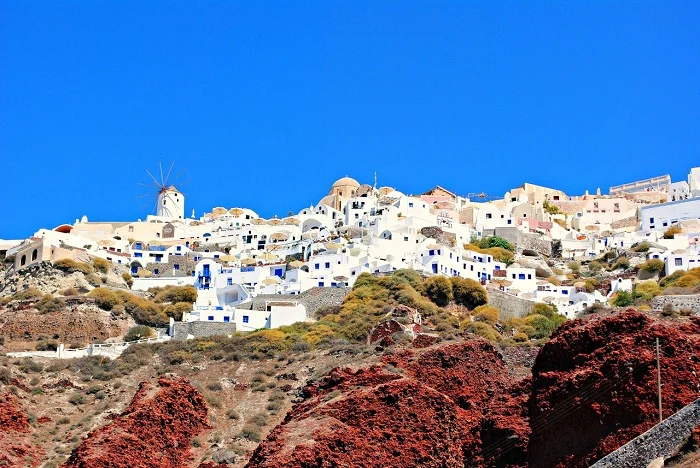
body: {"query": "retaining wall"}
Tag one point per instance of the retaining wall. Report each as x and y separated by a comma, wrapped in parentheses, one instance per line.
(510, 306)
(691, 302)
(661, 441)
(313, 299)
(182, 329)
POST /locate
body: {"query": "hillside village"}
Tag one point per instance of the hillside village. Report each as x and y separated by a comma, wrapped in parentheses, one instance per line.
(535, 244)
(381, 312)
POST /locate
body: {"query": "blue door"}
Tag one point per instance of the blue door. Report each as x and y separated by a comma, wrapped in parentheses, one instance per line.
(278, 272)
(435, 268)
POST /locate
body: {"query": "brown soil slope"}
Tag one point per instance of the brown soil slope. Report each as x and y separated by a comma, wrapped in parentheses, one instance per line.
(155, 431)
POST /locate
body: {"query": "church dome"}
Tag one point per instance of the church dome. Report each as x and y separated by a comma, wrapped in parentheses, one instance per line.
(346, 182)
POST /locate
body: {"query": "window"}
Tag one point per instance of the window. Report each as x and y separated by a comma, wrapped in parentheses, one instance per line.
(488, 216)
(131, 228)
(35, 252)
(138, 246)
(321, 284)
(227, 319)
(431, 252)
(328, 264)
(410, 205)
(176, 266)
(317, 266)
(211, 318)
(138, 254)
(229, 282)
(651, 220)
(245, 319)
(513, 275)
(405, 238)
(679, 262)
(529, 276)
(665, 224)
(155, 271)
(178, 248)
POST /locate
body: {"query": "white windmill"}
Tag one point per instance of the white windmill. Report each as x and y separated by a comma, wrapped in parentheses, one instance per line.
(169, 201)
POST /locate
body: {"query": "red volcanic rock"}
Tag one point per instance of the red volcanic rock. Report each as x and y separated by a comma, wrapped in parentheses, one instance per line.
(12, 416)
(594, 385)
(15, 446)
(433, 412)
(384, 330)
(153, 432)
(424, 340)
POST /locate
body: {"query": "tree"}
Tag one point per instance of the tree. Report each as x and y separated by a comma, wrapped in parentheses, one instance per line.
(439, 290)
(652, 266)
(647, 290)
(467, 292)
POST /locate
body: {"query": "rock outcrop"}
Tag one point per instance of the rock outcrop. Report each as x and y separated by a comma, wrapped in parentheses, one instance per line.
(594, 385)
(155, 431)
(16, 448)
(592, 389)
(431, 408)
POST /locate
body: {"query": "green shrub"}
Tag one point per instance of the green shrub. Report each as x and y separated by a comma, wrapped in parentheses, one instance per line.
(31, 293)
(647, 290)
(641, 247)
(48, 304)
(484, 330)
(439, 289)
(233, 414)
(672, 231)
(69, 266)
(595, 266)
(468, 292)
(178, 309)
(46, 345)
(70, 292)
(543, 309)
(654, 265)
(104, 298)
(486, 313)
(251, 433)
(622, 299)
(495, 241)
(574, 266)
(139, 332)
(128, 279)
(77, 399)
(621, 263)
(100, 265)
(687, 281)
(174, 294)
(542, 325)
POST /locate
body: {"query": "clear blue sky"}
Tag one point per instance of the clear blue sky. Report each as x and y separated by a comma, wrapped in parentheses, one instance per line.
(267, 103)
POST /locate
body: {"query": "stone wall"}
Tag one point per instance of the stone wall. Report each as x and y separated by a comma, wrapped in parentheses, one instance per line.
(691, 302)
(509, 305)
(522, 240)
(182, 329)
(313, 299)
(661, 441)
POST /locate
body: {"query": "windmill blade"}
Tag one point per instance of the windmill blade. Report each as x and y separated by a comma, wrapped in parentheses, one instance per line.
(176, 181)
(154, 179)
(168, 175)
(162, 183)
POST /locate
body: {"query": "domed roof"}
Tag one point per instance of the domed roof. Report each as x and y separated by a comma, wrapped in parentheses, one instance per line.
(345, 181)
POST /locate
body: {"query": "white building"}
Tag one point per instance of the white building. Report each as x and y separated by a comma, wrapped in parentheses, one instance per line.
(662, 216)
